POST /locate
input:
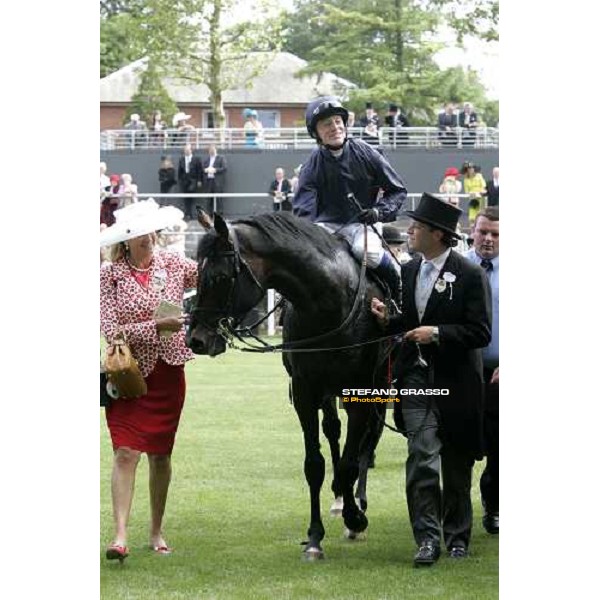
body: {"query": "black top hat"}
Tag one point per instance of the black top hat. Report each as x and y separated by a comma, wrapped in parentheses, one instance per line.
(393, 107)
(393, 235)
(369, 105)
(438, 213)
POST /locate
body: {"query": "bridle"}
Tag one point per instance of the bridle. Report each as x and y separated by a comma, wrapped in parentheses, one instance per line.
(226, 326)
(238, 271)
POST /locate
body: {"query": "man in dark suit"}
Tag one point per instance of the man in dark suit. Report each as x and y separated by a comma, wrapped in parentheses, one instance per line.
(281, 189)
(213, 169)
(189, 175)
(446, 318)
(467, 120)
(447, 123)
(397, 120)
(486, 252)
(493, 188)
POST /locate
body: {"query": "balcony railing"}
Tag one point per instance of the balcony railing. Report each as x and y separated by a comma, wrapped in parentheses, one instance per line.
(294, 138)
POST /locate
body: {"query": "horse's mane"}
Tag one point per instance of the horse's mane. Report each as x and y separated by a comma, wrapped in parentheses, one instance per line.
(283, 230)
(281, 233)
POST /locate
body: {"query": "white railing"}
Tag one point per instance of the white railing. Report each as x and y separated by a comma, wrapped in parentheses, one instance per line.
(412, 199)
(293, 138)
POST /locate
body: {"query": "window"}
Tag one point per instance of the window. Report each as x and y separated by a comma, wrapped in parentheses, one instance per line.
(269, 118)
(208, 119)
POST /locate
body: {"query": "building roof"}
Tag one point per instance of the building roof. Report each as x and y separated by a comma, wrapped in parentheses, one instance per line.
(277, 84)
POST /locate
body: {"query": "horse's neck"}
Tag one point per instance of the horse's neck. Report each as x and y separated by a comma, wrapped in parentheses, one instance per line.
(311, 282)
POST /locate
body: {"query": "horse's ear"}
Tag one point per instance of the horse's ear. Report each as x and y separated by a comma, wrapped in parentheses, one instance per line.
(204, 219)
(221, 226)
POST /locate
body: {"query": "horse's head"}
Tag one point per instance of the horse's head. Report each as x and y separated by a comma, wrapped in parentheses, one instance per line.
(227, 288)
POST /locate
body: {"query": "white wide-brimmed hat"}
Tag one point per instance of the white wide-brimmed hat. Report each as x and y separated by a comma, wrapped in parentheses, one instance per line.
(180, 117)
(138, 219)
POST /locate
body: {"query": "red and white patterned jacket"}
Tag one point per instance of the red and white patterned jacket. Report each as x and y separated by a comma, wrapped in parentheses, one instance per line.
(127, 306)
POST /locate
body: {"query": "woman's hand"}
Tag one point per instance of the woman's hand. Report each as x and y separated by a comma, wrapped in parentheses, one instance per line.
(379, 309)
(170, 323)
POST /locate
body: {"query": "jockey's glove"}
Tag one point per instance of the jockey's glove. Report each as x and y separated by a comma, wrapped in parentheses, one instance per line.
(368, 216)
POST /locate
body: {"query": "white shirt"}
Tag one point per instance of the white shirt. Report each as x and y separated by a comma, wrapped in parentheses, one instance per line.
(211, 163)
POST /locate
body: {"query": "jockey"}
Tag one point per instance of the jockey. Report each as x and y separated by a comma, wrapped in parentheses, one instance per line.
(342, 166)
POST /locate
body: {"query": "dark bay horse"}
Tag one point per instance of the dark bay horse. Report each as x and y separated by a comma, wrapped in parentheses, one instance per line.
(328, 307)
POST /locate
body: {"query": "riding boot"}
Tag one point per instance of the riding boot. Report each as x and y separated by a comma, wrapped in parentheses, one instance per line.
(390, 274)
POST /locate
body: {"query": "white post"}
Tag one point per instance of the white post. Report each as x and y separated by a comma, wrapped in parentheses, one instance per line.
(271, 319)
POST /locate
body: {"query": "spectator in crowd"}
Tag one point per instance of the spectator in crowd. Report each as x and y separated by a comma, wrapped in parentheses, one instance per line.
(131, 289)
(474, 185)
(166, 177)
(111, 202)
(451, 185)
(339, 170)
(351, 122)
(445, 321)
(104, 182)
(370, 124)
(396, 120)
(214, 167)
(172, 238)
(486, 253)
(493, 188)
(138, 129)
(189, 175)
(467, 120)
(294, 179)
(397, 242)
(447, 123)
(183, 129)
(128, 191)
(253, 129)
(158, 129)
(280, 189)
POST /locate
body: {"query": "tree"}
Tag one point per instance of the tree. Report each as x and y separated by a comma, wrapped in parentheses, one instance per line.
(202, 41)
(151, 96)
(117, 45)
(387, 48)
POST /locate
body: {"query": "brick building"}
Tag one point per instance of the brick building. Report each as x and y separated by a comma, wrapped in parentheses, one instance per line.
(278, 94)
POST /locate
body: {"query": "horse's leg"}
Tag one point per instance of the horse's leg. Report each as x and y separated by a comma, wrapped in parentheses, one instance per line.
(354, 519)
(332, 429)
(307, 410)
(367, 450)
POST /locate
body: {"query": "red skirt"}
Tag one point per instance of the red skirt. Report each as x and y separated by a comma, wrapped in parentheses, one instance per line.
(149, 423)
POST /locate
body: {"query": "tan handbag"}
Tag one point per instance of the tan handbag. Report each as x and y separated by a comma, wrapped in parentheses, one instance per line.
(122, 369)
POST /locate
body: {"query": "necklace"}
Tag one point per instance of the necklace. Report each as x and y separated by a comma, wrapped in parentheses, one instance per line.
(134, 268)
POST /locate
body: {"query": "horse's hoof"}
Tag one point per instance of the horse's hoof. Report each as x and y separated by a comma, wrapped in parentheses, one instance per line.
(356, 521)
(356, 536)
(337, 507)
(313, 553)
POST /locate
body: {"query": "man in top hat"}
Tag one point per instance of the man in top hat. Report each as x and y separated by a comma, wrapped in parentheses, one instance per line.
(397, 120)
(370, 122)
(446, 321)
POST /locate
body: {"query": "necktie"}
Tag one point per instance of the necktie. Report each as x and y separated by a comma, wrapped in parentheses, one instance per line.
(424, 287)
(487, 265)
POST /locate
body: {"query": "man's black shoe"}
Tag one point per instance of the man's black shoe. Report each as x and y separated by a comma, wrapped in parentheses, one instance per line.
(491, 523)
(458, 552)
(427, 555)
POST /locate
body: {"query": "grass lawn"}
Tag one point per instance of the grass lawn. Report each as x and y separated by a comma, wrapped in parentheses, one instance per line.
(238, 508)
